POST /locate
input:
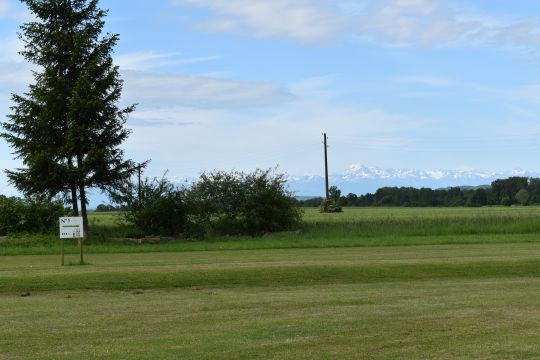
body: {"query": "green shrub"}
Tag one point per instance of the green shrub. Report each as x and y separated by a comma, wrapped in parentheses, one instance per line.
(224, 203)
(505, 201)
(157, 208)
(329, 206)
(238, 203)
(29, 215)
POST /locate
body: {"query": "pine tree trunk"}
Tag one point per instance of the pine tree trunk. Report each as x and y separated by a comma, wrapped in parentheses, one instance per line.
(82, 194)
(84, 213)
(73, 185)
(74, 203)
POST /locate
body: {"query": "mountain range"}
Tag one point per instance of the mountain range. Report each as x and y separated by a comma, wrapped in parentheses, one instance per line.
(361, 179)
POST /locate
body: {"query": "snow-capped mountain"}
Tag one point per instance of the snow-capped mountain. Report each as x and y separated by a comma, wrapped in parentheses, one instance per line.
(361, 179)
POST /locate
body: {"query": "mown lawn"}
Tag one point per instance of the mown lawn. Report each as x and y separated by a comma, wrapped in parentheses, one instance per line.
(445, 301)
(365, 284)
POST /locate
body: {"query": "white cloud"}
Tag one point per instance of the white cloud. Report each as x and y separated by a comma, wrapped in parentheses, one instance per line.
(414, 23)
(9, 51)
(158, 90)
(14, 76)
(4, 8)
(10, 12)
(297, 19)
(15, 72)
(288, 137)
(147, 60)
(288, 134)
(408, 23)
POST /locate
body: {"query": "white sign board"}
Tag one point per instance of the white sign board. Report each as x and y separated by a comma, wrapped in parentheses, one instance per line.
(71, 227)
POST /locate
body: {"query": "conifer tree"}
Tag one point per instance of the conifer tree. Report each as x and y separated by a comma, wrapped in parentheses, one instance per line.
(67, 128)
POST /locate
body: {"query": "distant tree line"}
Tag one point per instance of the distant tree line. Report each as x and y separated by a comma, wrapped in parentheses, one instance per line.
(107, 208)
(506, 192)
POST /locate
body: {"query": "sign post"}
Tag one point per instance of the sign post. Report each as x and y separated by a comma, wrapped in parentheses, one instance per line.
(71, 228)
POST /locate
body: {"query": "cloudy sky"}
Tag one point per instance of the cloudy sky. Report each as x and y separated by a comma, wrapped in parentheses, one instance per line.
(426, 84)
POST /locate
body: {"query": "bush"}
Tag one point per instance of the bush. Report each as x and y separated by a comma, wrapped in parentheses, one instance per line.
(238, 203)
(157, 208)
(329, 206)
(505, 201)
(224, 203)
(29, 215)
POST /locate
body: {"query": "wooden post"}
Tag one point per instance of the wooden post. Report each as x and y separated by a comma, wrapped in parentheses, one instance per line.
(81, 242)
(62, 251)
(326, 166)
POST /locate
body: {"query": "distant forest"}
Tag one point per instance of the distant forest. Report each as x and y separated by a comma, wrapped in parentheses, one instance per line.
(507, 192)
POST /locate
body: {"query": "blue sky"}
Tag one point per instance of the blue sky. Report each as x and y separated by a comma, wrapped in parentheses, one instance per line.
(426, 84)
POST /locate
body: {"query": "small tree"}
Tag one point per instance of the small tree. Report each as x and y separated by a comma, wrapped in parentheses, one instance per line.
(329, 206)
(332, 204)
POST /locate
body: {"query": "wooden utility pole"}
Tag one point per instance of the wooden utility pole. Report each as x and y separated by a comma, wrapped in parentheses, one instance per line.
(326, 166)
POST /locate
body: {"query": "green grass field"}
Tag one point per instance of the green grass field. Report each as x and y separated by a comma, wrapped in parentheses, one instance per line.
(366, 284)
(355, 227)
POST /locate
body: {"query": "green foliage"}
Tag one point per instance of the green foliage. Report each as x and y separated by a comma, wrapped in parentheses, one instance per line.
(505, 201)
(329, 206)
(523, 196)
(334, 193)
(158, 207)
(506, 192)
(342, 202)
(534, 191)
(106, 208)
(356, 227)
(231, 203)
(223, 203)
(313, 202)
(67, 128)
(477, 198)
(508, 188)
(29, 215)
